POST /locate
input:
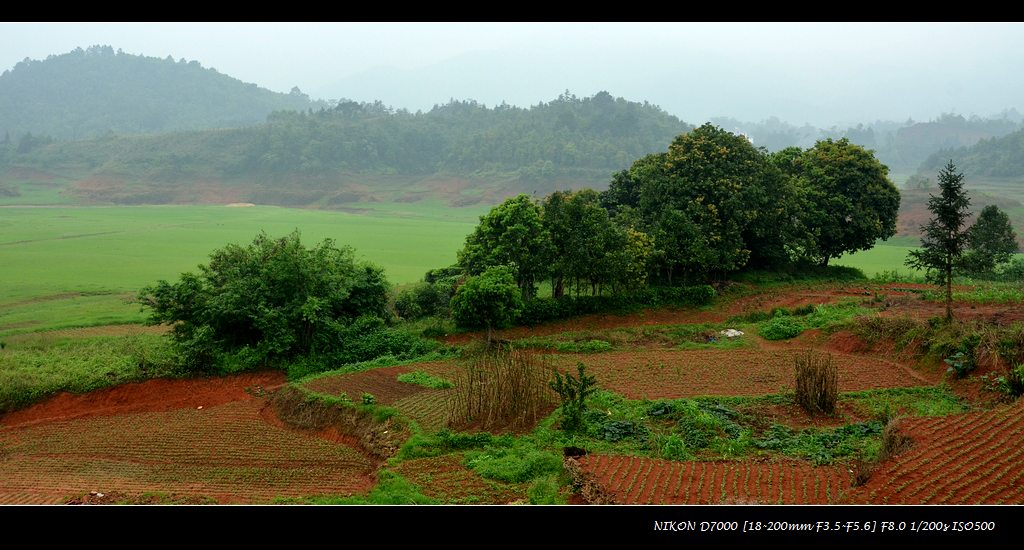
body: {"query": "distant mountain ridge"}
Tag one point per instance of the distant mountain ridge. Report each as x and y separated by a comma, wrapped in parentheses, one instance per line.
(94, 91)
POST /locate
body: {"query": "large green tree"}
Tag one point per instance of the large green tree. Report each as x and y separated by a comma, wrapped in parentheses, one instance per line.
(489, 300)
(271, 301)
(991, 241)
(944, 238)
(582, 238)
(846, 199)
(708, 191)
(512, 234)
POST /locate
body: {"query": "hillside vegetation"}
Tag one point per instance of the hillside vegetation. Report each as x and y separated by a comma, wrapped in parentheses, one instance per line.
(90, 92)
(328, 156)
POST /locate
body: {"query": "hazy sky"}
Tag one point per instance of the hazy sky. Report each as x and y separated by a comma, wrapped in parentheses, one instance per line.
(823, 74)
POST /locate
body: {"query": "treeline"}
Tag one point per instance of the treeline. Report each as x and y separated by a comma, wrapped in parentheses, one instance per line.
(570, 138)
(903, 146)
(710, 206)
(997, 157)
(564, 136)
(90, 92)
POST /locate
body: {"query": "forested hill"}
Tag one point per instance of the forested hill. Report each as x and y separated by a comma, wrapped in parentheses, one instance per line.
(340, 154)
(996, 157)
(90, 92)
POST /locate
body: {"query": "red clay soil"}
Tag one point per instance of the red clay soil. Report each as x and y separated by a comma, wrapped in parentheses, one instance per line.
(638, 480)
(963, 459)
(448, 481)
(225, 452)
(148, 396)
(382, 383)
(690, 373)
(996, 314)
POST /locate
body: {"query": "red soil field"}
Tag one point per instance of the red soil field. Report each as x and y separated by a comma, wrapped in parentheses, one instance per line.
(638, 480)
(383, 382)
(148, 396)
(445, 479)
(227, 452)
(690, 373)
(974, 458)
(426, 406)
(199, 437)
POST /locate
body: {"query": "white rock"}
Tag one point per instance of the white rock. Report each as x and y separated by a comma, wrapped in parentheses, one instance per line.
(731, 333)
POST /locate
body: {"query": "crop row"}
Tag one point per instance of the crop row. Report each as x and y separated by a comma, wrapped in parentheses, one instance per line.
(638, 480)
(675, 374)
(227, 452)
(970, 459)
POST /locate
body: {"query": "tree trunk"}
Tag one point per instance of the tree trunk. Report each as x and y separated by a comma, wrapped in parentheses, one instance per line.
(949, 294)
(559, 287)
(824, 261)
(488, 335)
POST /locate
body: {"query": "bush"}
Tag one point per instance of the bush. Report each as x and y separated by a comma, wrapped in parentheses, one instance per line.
(573, 392)
(501, 389)
(817, 383)
(490, 300)
(781, 328)
(422, 300)
(515, 464)
(267, 303)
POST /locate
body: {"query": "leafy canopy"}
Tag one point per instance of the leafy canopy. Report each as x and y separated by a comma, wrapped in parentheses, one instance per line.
(271, 301)
(490, 299)
(991, 242)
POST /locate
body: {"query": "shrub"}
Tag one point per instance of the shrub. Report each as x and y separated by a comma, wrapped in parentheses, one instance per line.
(267, 303)
(501, 389)
(893, 441)
(489, 300)
(515, 464)
(422, 300)
(817, 383)
(573, 392)
(781, 328)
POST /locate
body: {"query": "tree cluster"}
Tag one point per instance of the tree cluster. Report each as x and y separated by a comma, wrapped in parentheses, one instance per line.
(713, 204)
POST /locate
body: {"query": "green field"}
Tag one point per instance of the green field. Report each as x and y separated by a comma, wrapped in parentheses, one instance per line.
(881, 258)
(76, 266)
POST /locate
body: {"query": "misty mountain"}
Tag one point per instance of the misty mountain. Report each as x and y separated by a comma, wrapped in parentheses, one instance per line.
(90, 92)
(329, 156)
(1001, 157)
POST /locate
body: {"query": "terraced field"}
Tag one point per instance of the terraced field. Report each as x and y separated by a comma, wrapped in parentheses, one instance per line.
(227, 452)
(974, 458)
(675, 374)
(639, 480)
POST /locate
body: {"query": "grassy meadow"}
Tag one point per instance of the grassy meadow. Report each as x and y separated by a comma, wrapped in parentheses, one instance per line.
(78, 266)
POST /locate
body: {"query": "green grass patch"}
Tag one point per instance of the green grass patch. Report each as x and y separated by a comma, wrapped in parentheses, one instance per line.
(784, 324)
(983, 293)
(589, 346)
(698, 336)
(49, 252)
(426, 380)
(36, 368)
(921, 401)
(884, 257)
(514, 464)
